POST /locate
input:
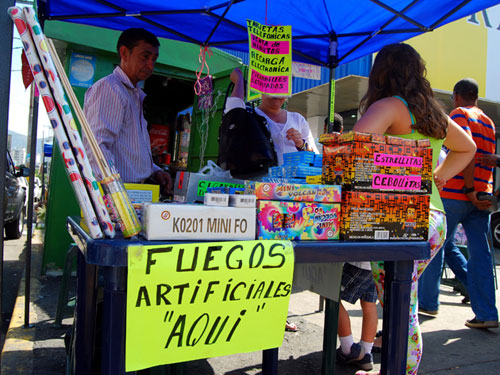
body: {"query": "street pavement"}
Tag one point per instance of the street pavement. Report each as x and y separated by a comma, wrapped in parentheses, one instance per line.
(449, 346)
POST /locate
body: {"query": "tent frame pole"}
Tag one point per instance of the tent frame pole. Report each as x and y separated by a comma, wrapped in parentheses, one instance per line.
(332, 63)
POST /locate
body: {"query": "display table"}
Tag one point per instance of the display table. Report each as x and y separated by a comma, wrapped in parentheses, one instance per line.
(111, 256)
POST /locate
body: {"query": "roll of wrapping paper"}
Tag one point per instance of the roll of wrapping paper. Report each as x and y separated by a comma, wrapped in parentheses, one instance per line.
(117, 196)
(111, 184)
(55, 120)
(68, 121)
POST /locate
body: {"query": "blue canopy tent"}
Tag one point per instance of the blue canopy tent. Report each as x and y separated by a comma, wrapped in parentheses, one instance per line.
(324, 32)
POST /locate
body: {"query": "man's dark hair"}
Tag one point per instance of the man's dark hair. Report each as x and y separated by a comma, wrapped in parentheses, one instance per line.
(131, 37)
(467, 88)
(338, 122)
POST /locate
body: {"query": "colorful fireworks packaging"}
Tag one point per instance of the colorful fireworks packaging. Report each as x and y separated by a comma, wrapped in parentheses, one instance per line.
(297, 220)
(385, 181)
(371, 162)
(298, 192)
(297, 211)
(384, 216)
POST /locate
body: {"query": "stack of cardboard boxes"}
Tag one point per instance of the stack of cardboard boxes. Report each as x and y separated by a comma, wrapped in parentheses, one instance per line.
(386, 182)
(297, 166)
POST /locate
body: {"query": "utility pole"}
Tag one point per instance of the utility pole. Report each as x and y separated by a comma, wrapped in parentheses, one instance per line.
(6, 46)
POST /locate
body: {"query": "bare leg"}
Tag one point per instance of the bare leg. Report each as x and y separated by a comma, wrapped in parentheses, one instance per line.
(370, 321)
(344, 327)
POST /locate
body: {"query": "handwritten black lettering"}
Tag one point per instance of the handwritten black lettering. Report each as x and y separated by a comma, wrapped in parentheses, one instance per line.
(209, 257)
(142, 294)
(150, 260)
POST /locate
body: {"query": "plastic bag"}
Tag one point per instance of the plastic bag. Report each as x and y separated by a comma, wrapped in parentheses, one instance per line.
(212, 169)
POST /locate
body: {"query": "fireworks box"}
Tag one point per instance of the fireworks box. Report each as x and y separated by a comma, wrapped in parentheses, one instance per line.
(298, 192)
(242, 200)
(297, 220)
(216, 199)
(164, 221)
(384, 216)
(314, 179)
(300, 171)
(329, 139)
(298, 157)
(191, 187)
(370, 166)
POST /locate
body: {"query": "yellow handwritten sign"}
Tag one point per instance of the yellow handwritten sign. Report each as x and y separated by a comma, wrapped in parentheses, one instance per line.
(201, 300)
(270, 63)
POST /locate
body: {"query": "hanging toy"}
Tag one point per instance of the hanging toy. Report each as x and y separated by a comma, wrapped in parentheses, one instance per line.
(203, 86)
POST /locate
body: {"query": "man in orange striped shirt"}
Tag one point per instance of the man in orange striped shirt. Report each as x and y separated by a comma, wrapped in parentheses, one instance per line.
(462, 206)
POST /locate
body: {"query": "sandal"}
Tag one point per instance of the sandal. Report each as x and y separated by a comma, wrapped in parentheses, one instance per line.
(290, 327)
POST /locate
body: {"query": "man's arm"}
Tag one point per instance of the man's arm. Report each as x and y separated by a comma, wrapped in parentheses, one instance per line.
(163, 179)
(237, 98)
(239, 84)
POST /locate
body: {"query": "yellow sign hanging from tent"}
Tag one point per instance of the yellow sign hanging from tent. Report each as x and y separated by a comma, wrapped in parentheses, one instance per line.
(270, 60)
(202, 300)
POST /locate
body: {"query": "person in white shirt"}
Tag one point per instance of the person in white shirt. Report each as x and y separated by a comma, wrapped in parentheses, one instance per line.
(289, 130)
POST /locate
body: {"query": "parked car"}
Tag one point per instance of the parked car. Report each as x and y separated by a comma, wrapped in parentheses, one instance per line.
(495, 228)
(15, 198)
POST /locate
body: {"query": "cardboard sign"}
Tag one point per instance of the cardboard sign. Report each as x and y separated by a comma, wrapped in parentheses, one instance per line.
(202, 300)
(270, 64)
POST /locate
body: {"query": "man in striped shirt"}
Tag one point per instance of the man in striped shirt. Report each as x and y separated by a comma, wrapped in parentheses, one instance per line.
(113, 107)
(462, 206)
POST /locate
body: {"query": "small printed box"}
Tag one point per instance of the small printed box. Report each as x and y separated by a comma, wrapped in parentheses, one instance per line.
(423, 143)
(225, 190)
(318, 160)
(301, 171)
(170, 221)
(191, 187)
(140, 194)
(378, 167)
(354, 136)
(378, 138)
(328, 139)
(216, 199)
(384, 216)
(398, 141)
(297, 220)
(242, 200)
(298, 192)
(276, 172)
(314, 179)
(299, 157)
(281, 180)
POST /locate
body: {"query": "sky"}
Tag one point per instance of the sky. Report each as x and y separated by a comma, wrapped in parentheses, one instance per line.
(19, 100)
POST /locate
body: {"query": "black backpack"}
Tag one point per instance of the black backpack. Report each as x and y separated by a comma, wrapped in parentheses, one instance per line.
(245, 143)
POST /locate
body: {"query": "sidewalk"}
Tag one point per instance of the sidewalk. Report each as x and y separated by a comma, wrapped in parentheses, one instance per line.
(449, 346)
